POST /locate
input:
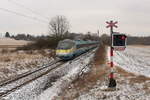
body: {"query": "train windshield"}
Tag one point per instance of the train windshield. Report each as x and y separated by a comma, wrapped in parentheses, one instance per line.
(65, 45)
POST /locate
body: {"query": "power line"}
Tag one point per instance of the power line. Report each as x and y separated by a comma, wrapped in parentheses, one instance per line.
(29, 9)
(20, 14)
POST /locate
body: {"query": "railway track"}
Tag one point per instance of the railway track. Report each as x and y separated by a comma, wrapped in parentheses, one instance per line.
(12, 85)
(26, 74)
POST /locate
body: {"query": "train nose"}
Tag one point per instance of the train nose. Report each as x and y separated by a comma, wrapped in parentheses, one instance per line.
(61, 53)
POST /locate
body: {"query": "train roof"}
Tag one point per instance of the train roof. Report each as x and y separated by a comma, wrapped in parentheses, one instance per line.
(67, 40)
(79, 42)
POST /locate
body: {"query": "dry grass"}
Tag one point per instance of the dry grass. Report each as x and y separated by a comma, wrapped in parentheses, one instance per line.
(12, 62)
(21, 56)
(132, 77)
(98, 68)
(7, 59)
(146, 87)
(5, 70)
(14, 57)
(122, 72)
(139, 79)
(9, 55)
(9, 41)
(100, 55)
(4, 51)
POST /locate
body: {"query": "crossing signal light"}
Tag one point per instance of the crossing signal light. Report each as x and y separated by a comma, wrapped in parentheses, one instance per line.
(119, 40)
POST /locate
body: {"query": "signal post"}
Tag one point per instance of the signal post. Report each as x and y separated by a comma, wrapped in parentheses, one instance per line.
(112, 81)
(118, 43)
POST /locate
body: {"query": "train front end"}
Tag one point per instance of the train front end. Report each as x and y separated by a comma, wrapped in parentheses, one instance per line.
(65, 49)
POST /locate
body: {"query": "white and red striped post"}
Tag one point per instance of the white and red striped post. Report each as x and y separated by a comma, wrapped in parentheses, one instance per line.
(111, 63)
(112, 81)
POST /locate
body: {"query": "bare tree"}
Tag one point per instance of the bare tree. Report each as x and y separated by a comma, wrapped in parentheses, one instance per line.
(59, 26)
(7, 34)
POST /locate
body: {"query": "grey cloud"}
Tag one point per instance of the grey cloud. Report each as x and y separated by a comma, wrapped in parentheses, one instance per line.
(84, 15)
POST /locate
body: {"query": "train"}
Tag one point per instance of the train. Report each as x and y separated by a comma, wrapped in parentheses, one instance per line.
(68, 49)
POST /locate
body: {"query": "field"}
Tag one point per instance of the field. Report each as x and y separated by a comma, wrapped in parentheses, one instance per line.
(11, 43)
(132, 73)
(13, 63)
(135, 59)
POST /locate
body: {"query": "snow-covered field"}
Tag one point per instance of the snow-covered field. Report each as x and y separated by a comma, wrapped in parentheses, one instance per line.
(9, 41)
(18, 62)
(13, 63)
(134, 59)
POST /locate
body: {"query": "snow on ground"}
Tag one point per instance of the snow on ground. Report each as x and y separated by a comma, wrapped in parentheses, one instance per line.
(50, 85)
(129, 86)
(9, 41)
(125, 91)
(15, 63)
(134, 59)
(58, 87)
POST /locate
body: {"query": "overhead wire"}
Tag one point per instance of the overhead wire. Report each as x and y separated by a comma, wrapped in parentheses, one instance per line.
(39, 19)
(29, 9)
(24, 15)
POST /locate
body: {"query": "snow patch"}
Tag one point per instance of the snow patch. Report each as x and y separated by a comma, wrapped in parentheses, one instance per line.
(133, 59)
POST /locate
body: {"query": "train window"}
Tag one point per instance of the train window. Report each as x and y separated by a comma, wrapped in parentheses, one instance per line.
(65, 45)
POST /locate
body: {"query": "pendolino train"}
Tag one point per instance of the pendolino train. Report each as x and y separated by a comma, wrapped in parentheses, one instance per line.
(68, 49)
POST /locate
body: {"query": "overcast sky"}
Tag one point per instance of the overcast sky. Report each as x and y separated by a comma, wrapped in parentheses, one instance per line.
(133, 16)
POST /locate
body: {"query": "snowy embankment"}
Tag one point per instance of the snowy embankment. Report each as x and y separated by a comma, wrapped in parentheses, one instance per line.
(134, 59)
(78, 67)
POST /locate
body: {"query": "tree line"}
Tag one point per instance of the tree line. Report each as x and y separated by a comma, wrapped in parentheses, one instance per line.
(59, 28)
(131, 40)
(22, 36)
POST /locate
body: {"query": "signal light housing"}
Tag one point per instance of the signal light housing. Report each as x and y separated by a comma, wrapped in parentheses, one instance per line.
(119, 40)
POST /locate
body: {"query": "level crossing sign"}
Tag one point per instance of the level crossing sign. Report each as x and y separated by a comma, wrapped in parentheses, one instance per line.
(112, 24)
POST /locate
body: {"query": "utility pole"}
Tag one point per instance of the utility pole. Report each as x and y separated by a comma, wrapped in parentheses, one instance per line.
(98, 33)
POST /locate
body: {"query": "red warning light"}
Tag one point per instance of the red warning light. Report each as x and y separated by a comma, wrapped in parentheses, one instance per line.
(123, 37)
